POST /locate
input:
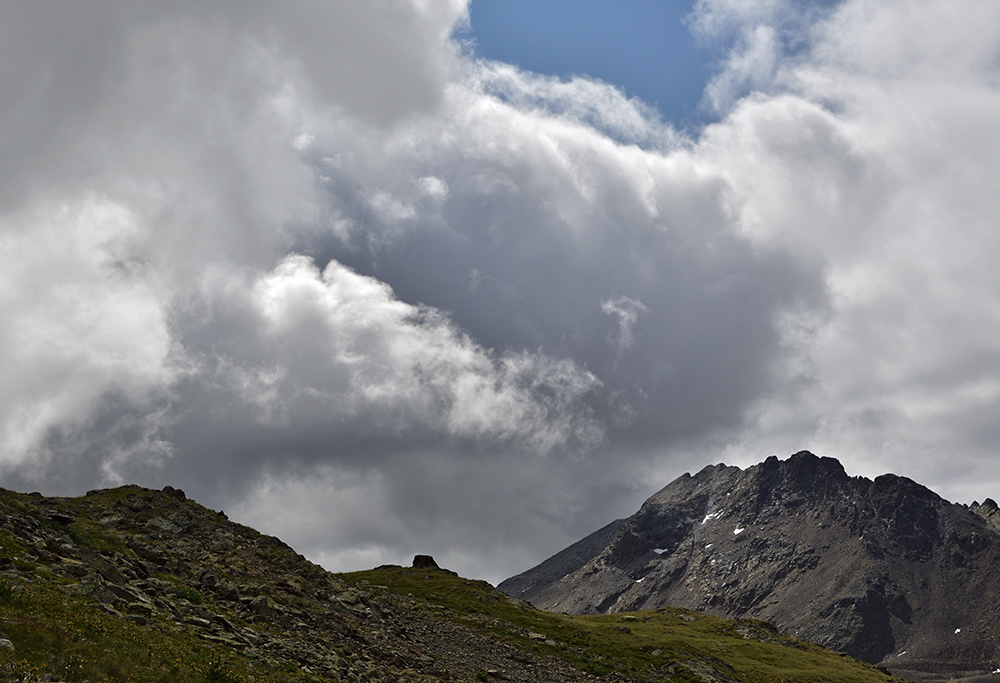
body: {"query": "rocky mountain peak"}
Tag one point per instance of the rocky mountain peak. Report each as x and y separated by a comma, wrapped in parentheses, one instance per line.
(988, 511)
(885, 569)
(772, 483)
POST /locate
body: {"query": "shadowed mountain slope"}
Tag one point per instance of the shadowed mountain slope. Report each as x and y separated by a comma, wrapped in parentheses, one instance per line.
(885, 570)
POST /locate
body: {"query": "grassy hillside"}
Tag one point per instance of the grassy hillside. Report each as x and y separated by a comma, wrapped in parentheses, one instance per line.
(129, 584)
(69, 639)
(666, 644)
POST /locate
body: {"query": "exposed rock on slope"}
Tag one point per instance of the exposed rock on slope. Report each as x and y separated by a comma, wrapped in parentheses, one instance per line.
(132, 584)
(166, 563)
(988, 511)
(562, 563)
(884, 570)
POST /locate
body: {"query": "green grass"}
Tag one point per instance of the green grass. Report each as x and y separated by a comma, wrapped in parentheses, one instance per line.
(66, 637)
(90, 534)
(665, 644)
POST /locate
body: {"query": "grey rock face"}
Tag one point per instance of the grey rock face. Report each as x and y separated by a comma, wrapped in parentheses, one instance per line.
(988, 511)
(561, 564)
(883, 570)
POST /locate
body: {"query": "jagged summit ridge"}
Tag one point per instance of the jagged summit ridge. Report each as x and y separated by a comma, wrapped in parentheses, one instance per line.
(885, 569)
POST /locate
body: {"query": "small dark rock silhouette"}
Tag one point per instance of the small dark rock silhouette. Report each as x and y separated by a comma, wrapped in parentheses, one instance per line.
(176, 493)
(424, 562)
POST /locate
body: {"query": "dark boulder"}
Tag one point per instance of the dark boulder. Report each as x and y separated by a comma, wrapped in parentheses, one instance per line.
(424, 562)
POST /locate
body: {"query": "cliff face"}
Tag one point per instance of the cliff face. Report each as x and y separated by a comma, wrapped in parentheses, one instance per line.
(884, 570)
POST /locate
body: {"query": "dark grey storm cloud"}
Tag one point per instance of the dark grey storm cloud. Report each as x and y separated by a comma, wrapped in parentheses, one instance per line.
(321, 268)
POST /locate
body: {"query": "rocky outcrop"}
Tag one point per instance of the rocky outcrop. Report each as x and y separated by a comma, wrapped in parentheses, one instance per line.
(424, 562)
(989, 511)
(884, 570)
(156, 557)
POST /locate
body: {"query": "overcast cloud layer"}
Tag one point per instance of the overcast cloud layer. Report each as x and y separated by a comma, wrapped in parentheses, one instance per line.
(322, 267)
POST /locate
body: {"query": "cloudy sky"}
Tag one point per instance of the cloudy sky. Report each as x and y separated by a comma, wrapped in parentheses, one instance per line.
(419, 276)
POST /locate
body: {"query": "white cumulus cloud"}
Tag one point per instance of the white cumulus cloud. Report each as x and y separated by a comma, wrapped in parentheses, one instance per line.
(318, 251)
